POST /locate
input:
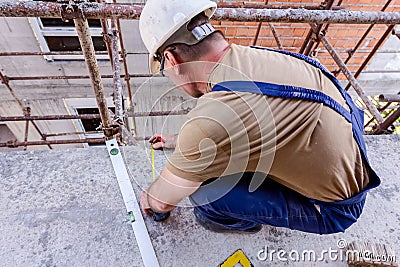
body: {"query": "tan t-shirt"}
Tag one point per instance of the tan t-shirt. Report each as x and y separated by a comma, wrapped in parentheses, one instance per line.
(301, 144)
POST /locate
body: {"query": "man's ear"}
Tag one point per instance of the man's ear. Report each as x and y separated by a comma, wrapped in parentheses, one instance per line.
(172, 60)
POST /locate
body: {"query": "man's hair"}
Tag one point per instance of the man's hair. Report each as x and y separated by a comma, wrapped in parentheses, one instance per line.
(194, 52)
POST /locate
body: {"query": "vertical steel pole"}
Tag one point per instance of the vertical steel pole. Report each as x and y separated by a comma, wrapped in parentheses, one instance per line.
(82, 27)
(357, 87)
(27, 112)
(119, 113)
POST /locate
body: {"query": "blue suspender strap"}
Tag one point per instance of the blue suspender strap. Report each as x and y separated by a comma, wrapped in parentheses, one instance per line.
(284, 91)
(355, 116)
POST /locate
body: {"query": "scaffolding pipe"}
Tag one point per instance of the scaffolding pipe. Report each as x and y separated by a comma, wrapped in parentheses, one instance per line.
(386, 124)
(389, 98)
(309, 42)
(74, 77)
(27, 112)
(106, 37)
(40, 133)
(14, 143)
(124, 11)
(125, 62)
(276, 36)
(5, 80)
(123, 54)
(73, 133)
(261, 6)
(79, 53)
(89, 116)
(64, 53)
(82, 28)
(119, 113)
(327, 6)
(257, 33)
(51, 117)
(381, 71)
(306, 16)
(380, 109)
(357, 87)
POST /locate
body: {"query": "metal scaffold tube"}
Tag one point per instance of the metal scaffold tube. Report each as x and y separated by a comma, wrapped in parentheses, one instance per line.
(74, 77)
(25, 109)
(389, 98)
(90, 116)
(381, 128)
(125, 11)
(14, 143)
(82, 27)
(119, 113)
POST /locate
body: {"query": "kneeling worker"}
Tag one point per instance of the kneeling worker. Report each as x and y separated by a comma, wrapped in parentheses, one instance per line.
(273, 139)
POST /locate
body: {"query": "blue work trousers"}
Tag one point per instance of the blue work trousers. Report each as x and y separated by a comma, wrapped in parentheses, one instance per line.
(273, 204)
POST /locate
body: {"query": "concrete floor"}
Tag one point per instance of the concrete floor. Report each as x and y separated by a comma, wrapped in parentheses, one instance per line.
(64, 208)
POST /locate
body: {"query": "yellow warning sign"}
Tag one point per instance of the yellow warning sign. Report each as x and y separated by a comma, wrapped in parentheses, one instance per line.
(235, 258)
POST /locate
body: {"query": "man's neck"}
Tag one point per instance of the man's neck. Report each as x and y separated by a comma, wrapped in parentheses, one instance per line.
(218, 52)
(213, 58)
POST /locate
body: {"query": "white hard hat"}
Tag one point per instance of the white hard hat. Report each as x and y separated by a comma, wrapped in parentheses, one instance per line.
(162, 20)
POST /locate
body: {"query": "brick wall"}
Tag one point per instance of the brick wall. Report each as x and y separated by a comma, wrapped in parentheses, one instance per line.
(292, 35)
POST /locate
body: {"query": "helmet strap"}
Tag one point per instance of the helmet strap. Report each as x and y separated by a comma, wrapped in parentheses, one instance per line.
(202, 31)
(162, 66)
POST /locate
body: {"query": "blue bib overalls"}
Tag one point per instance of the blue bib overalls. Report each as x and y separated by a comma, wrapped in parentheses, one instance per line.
(273, 203)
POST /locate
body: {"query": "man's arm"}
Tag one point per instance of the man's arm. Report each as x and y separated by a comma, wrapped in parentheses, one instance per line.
(166, 192)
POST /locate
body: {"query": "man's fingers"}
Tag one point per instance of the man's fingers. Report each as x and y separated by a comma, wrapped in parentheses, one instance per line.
(147, 212)
(144, 203)
(158, 145)
(154, 138)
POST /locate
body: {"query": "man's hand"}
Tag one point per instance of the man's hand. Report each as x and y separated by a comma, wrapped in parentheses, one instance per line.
(163, 140)
(144, 203)
(166, 192)
(156, 206)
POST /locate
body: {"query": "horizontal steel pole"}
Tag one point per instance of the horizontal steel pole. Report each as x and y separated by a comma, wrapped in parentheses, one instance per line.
(381, 71)
(125, 11)
(307, 16)
(72, 133)
(263, 6)
(77, 53)
(50, 117)
(74, 77)
(389, 98)
(62, 53)
(14, 143)
(89, 116)
(157, 113)
(52, 142)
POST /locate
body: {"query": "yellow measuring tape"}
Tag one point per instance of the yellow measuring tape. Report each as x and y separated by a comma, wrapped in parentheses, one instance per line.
(153, 165)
